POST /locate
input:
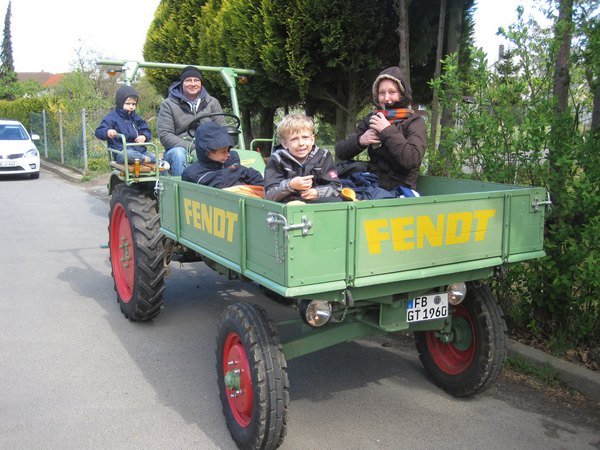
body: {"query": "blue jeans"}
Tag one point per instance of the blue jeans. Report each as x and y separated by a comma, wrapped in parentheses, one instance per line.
(132, 155)
(177, 158)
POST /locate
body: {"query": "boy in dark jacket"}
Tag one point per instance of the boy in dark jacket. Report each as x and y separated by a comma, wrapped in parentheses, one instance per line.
(300, 170)
(216, 165)
(124, 120)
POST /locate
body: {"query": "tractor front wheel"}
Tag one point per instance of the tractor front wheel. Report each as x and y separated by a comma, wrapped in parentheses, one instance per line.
(252, 377)
(136, 252)
(474, 356)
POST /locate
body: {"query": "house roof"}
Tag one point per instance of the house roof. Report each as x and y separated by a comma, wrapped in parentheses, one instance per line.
(54, 80)
(46, 79)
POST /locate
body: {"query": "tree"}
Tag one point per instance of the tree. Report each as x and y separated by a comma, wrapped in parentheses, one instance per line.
(173, 37)
(436, 75)
(7, 67)
(401, 7)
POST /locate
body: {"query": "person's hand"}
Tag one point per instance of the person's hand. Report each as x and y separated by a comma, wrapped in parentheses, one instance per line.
(310, 194)
(111, 133)
(141, 138)
(301, 183)
(378, 122)
(369, 137)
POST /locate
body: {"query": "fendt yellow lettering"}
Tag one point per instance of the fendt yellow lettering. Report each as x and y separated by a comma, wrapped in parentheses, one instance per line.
(410, 232)
(210, 219)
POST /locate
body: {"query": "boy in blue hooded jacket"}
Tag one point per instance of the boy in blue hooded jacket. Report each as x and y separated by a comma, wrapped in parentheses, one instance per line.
(217, 166)
(124, 120)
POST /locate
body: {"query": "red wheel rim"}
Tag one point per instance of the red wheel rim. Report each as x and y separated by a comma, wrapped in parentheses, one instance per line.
(235, 360)
(121, 252)
(447, 356)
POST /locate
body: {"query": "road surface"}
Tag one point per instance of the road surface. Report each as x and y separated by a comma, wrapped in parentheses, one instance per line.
(75, 374)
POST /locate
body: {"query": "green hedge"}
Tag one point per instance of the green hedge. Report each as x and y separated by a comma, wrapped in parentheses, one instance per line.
(21, 109)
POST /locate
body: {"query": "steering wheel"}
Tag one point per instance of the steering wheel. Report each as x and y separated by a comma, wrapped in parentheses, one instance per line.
(234, 126)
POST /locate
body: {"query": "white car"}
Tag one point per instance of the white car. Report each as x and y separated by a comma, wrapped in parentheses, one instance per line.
(18, 153)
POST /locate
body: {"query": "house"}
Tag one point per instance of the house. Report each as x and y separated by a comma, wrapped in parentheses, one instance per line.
(46, 79)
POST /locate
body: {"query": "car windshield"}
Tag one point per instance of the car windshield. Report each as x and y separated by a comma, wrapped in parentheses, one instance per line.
(12, 133)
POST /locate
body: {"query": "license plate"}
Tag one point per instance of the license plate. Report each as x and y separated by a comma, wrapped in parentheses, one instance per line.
(8, 163)
(427, 307)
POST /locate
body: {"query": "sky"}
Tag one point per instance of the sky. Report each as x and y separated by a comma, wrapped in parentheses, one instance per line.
(46, 34)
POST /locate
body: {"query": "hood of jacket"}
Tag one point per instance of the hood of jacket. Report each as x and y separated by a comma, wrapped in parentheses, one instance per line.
(123, 93)
(395, 74)
(211, 136)
(176, 92)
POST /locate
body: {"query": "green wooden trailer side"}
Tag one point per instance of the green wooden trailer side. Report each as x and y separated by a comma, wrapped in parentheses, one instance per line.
(380, 251)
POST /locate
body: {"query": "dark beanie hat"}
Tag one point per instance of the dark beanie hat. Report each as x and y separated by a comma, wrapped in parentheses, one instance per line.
(211, 136)
(190, 72)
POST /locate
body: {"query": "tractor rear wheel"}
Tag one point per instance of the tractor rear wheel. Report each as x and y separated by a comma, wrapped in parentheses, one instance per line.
(252, 377)
(137, 252)
(473, 359)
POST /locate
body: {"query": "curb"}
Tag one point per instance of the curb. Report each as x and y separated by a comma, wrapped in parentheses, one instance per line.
(579, 378)
(63, 171)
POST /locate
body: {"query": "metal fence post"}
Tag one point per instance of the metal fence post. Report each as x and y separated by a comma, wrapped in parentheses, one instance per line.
(83, 134)
(44, 133)
(60, 136)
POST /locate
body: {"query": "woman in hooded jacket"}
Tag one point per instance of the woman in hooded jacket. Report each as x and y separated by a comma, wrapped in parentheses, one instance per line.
(393, 135)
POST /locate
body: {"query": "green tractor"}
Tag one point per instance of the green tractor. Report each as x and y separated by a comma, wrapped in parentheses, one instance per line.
(351, 269)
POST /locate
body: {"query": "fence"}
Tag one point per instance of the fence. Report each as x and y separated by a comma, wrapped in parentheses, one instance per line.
(68, 137)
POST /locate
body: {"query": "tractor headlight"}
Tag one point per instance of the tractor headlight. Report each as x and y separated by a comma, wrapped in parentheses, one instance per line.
(456, 293)
(315, 313)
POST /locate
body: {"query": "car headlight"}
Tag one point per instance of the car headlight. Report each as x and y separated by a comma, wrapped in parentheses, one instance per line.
(32, 152)
(456, 293)
(315, 313)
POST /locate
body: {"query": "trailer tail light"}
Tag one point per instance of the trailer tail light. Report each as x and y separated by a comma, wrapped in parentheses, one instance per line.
(456, 293)
(315, 313)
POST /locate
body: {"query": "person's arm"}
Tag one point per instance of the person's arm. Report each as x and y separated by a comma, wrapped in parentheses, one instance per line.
(102, 130)
(166, 127)
(143, 128)
(277, 186)
(197, 173)
(326, 181)
(405, 148)
(350, 147)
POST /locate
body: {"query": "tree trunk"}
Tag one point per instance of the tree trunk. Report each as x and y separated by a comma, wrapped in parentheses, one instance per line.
(347, 109)
(564, 29)
(435, 104)
(452, 46)
(596, 110)
(402, 7)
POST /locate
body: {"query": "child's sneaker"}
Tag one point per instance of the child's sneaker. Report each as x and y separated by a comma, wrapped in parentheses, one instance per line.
(163, 165)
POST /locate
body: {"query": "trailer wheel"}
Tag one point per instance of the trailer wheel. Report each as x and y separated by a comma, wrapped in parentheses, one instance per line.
(252, 377)
(136, 252)
(474, 358)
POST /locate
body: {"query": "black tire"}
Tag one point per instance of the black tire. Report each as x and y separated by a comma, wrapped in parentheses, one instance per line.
(247, 342)
(474, 359)
(34, 175)
(137, 251)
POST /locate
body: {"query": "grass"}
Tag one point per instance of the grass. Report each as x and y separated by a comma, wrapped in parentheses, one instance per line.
(545, 374)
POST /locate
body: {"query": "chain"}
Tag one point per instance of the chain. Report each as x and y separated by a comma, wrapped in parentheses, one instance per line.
(280, 249)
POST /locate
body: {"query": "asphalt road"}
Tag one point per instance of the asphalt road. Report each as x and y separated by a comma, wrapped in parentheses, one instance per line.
(75, 374)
